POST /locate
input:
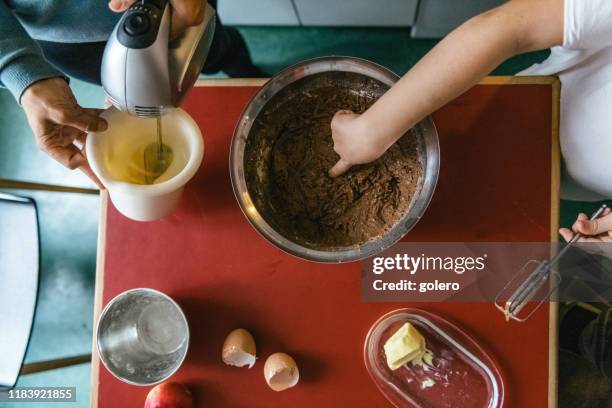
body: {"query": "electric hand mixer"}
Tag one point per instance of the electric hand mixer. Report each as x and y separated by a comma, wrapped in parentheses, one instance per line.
(145, 73)
(535, 278)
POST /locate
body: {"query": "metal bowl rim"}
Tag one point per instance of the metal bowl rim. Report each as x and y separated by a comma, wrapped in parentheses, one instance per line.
(249, 115)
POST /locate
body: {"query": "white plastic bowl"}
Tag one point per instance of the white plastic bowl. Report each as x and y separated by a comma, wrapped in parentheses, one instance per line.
(143, 202)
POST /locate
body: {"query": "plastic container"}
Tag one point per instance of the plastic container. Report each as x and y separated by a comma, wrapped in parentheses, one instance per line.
(142, 202)
(461, 375)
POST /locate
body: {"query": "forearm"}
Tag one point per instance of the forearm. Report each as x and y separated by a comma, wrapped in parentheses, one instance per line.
(21, 61)
(459, 61)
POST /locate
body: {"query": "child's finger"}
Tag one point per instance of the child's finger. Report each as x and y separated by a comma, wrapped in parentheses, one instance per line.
(337, 120)
(581, 217)
(339, 168)
(567, 234)
(595, 227)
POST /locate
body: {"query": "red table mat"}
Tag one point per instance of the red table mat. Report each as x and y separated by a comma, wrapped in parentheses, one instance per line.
(495, 185)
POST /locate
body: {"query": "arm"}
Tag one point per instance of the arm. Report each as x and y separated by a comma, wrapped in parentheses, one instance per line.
(21, 61)
(51, 109)
(452, 67)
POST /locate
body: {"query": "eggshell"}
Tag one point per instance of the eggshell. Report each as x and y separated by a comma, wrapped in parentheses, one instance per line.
(281, 371)
(239, 349)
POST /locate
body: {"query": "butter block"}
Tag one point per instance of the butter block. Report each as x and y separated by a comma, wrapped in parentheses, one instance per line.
(405, 345)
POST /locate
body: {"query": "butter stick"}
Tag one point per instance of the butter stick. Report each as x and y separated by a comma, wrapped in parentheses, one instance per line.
(406, 345)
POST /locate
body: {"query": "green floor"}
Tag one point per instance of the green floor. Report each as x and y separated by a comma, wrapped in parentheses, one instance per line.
(63, 321)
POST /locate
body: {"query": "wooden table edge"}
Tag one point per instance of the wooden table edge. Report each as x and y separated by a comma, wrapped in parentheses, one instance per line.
(490, 80)
(99, 289)
(553, 315)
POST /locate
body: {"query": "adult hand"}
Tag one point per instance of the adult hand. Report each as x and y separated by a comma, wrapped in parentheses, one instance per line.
(598, 230)
(354, 142)
(58, 122)
(185, 13)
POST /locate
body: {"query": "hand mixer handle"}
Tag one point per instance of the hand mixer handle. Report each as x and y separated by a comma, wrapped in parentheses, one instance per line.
(142, 72)
(134, 70)
(140, 24)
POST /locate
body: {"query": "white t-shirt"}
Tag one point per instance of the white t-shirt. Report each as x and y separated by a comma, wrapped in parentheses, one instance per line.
(584, 66)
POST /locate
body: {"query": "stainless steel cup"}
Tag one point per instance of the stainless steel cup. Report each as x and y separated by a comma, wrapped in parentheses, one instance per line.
(142, 336)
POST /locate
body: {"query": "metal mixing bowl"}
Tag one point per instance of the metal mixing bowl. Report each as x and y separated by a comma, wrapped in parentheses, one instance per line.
(429, 155)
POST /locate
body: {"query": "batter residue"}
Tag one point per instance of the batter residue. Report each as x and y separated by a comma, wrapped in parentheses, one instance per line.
(289, 153)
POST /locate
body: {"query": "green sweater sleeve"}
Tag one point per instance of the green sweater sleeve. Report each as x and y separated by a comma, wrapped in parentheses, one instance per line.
(21, 60)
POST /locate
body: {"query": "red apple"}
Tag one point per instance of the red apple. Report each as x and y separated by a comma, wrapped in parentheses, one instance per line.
(169, 395)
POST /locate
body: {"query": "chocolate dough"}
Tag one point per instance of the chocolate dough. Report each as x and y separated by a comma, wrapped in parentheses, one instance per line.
(290, 150)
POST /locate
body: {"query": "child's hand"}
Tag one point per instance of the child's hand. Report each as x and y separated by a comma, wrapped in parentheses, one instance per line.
(354, 142)
(599, 230)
